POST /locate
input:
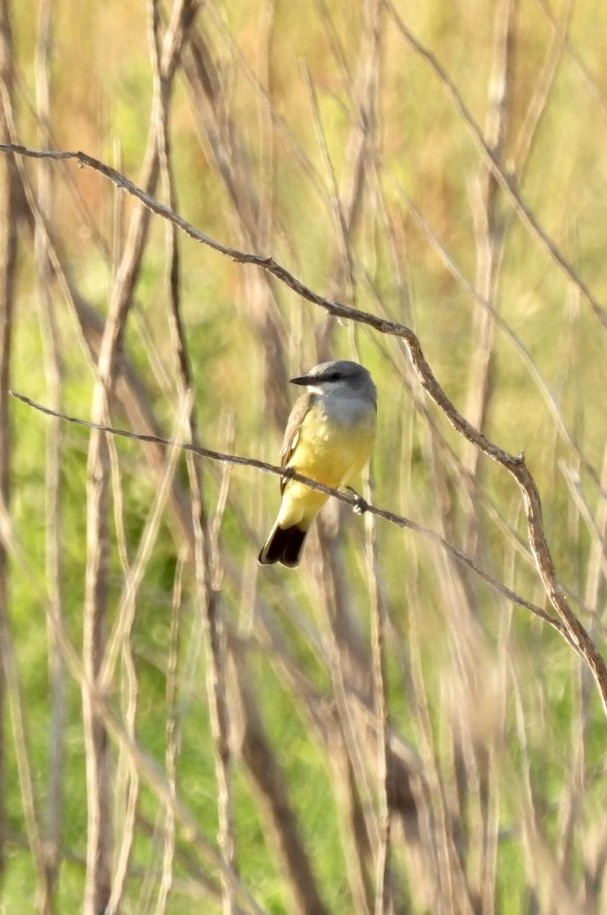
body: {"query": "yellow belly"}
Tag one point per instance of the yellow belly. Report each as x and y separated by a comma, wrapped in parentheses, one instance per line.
(330, 453)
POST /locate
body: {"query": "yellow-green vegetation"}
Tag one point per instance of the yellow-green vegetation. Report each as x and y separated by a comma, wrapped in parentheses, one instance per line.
(439, 165)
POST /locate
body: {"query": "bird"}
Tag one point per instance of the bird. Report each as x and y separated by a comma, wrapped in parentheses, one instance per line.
(329, 437)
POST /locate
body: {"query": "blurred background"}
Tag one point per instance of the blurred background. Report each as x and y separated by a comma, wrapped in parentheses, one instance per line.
(382, 729)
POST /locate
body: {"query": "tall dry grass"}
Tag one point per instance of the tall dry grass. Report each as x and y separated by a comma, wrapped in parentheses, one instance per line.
(414, 720)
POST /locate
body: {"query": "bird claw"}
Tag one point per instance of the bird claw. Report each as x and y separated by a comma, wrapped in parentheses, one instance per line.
(360, 505)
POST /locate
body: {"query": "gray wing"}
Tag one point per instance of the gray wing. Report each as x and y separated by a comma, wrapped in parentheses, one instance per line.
(300, 408)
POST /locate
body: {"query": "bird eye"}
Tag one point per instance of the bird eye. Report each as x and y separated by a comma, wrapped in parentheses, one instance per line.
(334, 376)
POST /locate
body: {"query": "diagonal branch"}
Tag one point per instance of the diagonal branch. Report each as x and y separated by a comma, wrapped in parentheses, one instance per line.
(346, 497)
(572, 628)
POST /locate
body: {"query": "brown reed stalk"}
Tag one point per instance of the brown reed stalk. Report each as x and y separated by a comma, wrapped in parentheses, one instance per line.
(490, 222)
(11, 699)
(8, 238)
(262, 763)
(213, 625)
(53, 371)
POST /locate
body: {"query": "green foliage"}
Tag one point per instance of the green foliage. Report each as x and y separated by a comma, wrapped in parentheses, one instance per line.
(358, 168)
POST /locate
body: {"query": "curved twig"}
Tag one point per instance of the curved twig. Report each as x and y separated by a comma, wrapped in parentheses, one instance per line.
(571, 628)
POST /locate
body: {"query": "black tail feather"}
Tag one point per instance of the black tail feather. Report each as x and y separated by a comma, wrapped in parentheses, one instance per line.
(283, 545)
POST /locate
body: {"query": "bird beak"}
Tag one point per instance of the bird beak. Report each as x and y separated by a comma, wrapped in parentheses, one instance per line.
(302, 379)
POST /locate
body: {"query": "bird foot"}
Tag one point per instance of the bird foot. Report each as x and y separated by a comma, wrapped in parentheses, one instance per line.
(359, 505)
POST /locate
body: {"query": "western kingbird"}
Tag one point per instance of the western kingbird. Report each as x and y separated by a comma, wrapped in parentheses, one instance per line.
(329, 437)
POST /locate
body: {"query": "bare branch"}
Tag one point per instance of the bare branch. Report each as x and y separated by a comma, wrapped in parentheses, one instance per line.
(348, 498)
(515, 465)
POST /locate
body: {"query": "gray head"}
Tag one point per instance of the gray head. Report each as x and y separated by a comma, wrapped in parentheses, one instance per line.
(341, 377)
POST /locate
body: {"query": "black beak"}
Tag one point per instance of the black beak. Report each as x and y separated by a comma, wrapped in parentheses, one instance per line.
(302, 379)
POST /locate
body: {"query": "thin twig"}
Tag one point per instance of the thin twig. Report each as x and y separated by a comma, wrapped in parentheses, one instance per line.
(173, 730)
(383, 889)
(515, 465)
(346, 497)
(506, 180)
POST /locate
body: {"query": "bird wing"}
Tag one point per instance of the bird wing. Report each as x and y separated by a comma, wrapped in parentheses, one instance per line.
(289, 442)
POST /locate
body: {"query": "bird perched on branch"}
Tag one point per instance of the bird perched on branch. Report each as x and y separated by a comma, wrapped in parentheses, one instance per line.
(329, 438)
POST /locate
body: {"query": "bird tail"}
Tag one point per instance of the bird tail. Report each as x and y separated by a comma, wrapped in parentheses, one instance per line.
(283, 545)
